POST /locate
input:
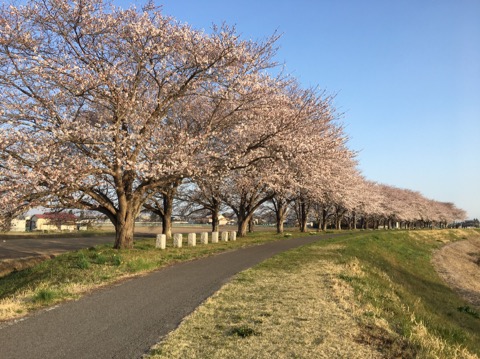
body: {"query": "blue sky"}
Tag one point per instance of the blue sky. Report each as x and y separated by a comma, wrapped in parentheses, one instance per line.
(406, 75)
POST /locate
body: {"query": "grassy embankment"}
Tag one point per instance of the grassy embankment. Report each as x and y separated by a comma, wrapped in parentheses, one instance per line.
(68, 276)
(372, 294)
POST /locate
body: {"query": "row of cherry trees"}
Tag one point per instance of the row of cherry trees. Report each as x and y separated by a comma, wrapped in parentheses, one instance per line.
(112, 110)
(368, 204)
(344, 200)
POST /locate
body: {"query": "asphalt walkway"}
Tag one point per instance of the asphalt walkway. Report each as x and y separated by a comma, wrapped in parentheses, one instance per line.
(125, 320)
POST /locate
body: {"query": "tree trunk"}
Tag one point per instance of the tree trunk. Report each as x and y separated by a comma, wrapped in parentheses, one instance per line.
(167, 226)
(280, 213)
(318, 220)
(167, 216)
(242, 229)
(242, 225)
(215, 212)
(338, 219)
(124, 229)
(251, 225)
(324, 219)
(245, 211)
(303, 217)
(215, 221)
(279, 225)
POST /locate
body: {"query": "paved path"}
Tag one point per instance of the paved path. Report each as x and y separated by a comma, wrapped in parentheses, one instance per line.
(125, 320)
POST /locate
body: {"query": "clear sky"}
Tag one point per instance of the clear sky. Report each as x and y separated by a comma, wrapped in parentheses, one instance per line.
(406, 75)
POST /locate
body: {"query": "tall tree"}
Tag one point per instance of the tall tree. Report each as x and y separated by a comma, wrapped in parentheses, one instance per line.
(205, 195)
(89, 97)
(244, 191)
(161, 204)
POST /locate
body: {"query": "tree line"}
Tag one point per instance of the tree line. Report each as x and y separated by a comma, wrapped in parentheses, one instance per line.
(112, 110)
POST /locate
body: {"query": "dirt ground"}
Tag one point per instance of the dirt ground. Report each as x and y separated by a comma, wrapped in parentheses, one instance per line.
(458, 264)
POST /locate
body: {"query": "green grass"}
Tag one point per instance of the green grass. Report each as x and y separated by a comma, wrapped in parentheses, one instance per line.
(44, 296)
(400, 282)
(72, 274)
(401, 285)
(398, 300)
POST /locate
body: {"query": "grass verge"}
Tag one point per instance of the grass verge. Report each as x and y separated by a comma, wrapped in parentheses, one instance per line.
(370, 295)
(70, 275)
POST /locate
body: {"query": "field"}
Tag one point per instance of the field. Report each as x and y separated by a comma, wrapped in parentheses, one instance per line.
(367, 295)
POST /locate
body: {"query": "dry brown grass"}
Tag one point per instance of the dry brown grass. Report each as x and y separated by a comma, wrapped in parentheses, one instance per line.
(432, 347)
(307, 312)
(441, 235)
(11, 308)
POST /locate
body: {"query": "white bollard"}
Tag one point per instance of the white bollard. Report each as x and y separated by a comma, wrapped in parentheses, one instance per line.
(192, 239)
(233, 236)
(204, 238)
(224, 236)
(214, 237)
(161, 241)
(177, 240)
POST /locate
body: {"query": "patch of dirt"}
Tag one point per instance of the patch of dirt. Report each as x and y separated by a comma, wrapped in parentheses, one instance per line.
(8, 266)
(458, 264)
(390, 346)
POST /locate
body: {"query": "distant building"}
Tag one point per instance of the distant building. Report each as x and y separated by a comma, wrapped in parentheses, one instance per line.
(53, 222)
(18, 225)
(222, 220)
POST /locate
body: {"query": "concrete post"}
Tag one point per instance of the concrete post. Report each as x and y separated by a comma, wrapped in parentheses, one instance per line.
(214, 237)
(233, 236)
(224, 236)
(177, 240)
(204, 238)
(161, 241)
(192, 239)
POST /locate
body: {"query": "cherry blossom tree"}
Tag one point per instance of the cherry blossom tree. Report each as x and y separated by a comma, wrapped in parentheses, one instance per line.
(318, 149)
(388, 204)
(249, 195)
(89, 94)
(205, 194)
(110, 110)
(161, 204)
(281, 203)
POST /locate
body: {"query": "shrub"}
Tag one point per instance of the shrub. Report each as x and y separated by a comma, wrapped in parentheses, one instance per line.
(99, 258)
(82, 261)
(44, 295)
(117, 260)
